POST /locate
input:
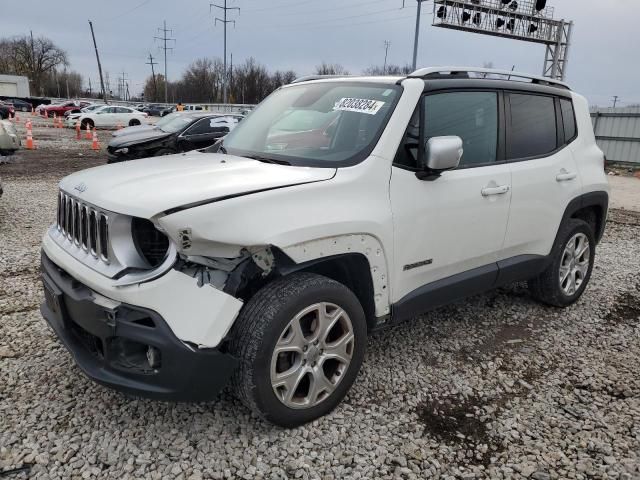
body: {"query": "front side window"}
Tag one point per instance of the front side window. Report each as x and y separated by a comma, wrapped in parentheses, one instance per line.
(317, 124)
(532, 130)
(472, 116)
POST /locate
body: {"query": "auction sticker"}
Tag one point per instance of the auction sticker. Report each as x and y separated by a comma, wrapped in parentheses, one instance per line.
(360, 105)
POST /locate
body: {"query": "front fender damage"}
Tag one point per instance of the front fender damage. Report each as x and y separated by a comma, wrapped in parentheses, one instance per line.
(230, 275)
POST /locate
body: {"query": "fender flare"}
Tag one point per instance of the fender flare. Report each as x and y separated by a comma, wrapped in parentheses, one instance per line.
(599, 199)
(328, 248)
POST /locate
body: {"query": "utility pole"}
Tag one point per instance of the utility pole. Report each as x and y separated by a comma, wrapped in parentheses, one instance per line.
(104, 92)
(122, 86)
(615, 100)
(387, 44)
(90, 92)
(153, 75)
(417, 35)
(165, 39)
(224, 22)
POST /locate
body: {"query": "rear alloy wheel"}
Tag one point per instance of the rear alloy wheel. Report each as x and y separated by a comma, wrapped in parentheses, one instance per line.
(300, 341)
(134, 123)
(568, 274)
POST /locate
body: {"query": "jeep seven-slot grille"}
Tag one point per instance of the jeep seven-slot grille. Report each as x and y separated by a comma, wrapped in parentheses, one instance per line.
(83, 225)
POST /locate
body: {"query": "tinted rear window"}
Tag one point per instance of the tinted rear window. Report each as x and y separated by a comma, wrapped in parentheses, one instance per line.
(532, 130)
(568, 119)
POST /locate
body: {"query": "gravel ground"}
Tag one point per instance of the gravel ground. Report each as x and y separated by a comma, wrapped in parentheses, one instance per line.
(493, 387)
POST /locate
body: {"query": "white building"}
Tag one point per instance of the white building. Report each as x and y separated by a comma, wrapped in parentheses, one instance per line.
(14, 86)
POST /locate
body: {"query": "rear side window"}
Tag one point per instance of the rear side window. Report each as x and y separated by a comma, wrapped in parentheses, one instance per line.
(568, 119)
(472, 116)
(532, 130)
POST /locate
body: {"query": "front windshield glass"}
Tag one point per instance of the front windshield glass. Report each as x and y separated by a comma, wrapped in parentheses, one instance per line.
(175, 124)
(317, 124)
(167, 118)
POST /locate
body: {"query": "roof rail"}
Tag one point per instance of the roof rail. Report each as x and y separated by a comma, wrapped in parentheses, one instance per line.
(317, 77)
(459, 71)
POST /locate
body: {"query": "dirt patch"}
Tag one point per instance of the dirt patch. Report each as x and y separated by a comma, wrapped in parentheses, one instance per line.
(626, 309)
(461, 422)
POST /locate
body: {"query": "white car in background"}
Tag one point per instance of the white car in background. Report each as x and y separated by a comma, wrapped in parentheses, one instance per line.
(110, 116)
(71, 119)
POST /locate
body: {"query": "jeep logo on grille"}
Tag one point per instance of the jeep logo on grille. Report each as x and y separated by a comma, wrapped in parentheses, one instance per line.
(81, 187)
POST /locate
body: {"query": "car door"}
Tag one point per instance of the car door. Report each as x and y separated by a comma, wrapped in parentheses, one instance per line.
(104, 117)
(123, 115)
(203, 133)
(451, 227)
(544, 172)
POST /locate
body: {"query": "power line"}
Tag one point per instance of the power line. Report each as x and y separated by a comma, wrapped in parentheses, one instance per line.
(165, 39)
(224, 22)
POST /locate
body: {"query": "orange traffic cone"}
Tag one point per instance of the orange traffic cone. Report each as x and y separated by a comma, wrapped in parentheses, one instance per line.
(95, 145)
(55, 120)
(78, 136)
(33, 111)
(30, 144)
(88, 135)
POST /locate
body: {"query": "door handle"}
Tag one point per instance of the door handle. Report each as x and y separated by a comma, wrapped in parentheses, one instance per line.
(565, 176)
(499, 190)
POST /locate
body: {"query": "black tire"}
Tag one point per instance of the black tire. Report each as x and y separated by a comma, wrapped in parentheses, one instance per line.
(547, 286)
(163, 151)
(85, 122)
(260, 325)
(134, 123)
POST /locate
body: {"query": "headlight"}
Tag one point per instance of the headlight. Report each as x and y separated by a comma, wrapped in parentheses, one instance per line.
(123, 151)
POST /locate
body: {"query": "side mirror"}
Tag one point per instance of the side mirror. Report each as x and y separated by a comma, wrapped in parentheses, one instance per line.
(441, 153)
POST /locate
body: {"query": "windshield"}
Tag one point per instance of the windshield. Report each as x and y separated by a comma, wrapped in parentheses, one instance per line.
(325, 124)
(175, 124)
(168, 118)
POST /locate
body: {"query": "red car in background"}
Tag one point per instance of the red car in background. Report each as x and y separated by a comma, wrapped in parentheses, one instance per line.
(60, 108)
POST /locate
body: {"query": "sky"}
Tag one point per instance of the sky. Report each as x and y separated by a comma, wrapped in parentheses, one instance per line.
(299, 34)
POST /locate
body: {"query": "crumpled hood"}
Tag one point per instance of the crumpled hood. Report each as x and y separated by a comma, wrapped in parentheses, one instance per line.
(140, 136)
(144, 188)
(130, 130)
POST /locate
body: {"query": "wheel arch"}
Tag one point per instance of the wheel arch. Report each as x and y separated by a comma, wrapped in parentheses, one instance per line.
(351, 270)
(591, 207)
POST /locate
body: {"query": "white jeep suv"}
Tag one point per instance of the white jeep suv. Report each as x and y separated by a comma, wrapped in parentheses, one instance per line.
(339, 206)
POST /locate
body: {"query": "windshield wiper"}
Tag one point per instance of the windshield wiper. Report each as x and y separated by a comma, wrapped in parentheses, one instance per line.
(267, 160)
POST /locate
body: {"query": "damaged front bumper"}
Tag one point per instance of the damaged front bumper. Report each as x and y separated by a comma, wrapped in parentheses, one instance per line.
(162, 338)
(126, 347)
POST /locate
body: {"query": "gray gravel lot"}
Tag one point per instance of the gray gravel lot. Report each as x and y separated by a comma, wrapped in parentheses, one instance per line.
(493, 387)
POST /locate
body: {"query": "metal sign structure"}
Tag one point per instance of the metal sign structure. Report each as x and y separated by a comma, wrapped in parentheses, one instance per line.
(525, 20)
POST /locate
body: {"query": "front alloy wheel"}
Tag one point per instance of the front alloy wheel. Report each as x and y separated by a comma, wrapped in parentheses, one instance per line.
(312, 355)
(300, 342)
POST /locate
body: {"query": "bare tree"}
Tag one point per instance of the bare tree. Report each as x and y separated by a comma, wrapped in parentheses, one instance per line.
(35, 58)
(377, 70)
(331, 69)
